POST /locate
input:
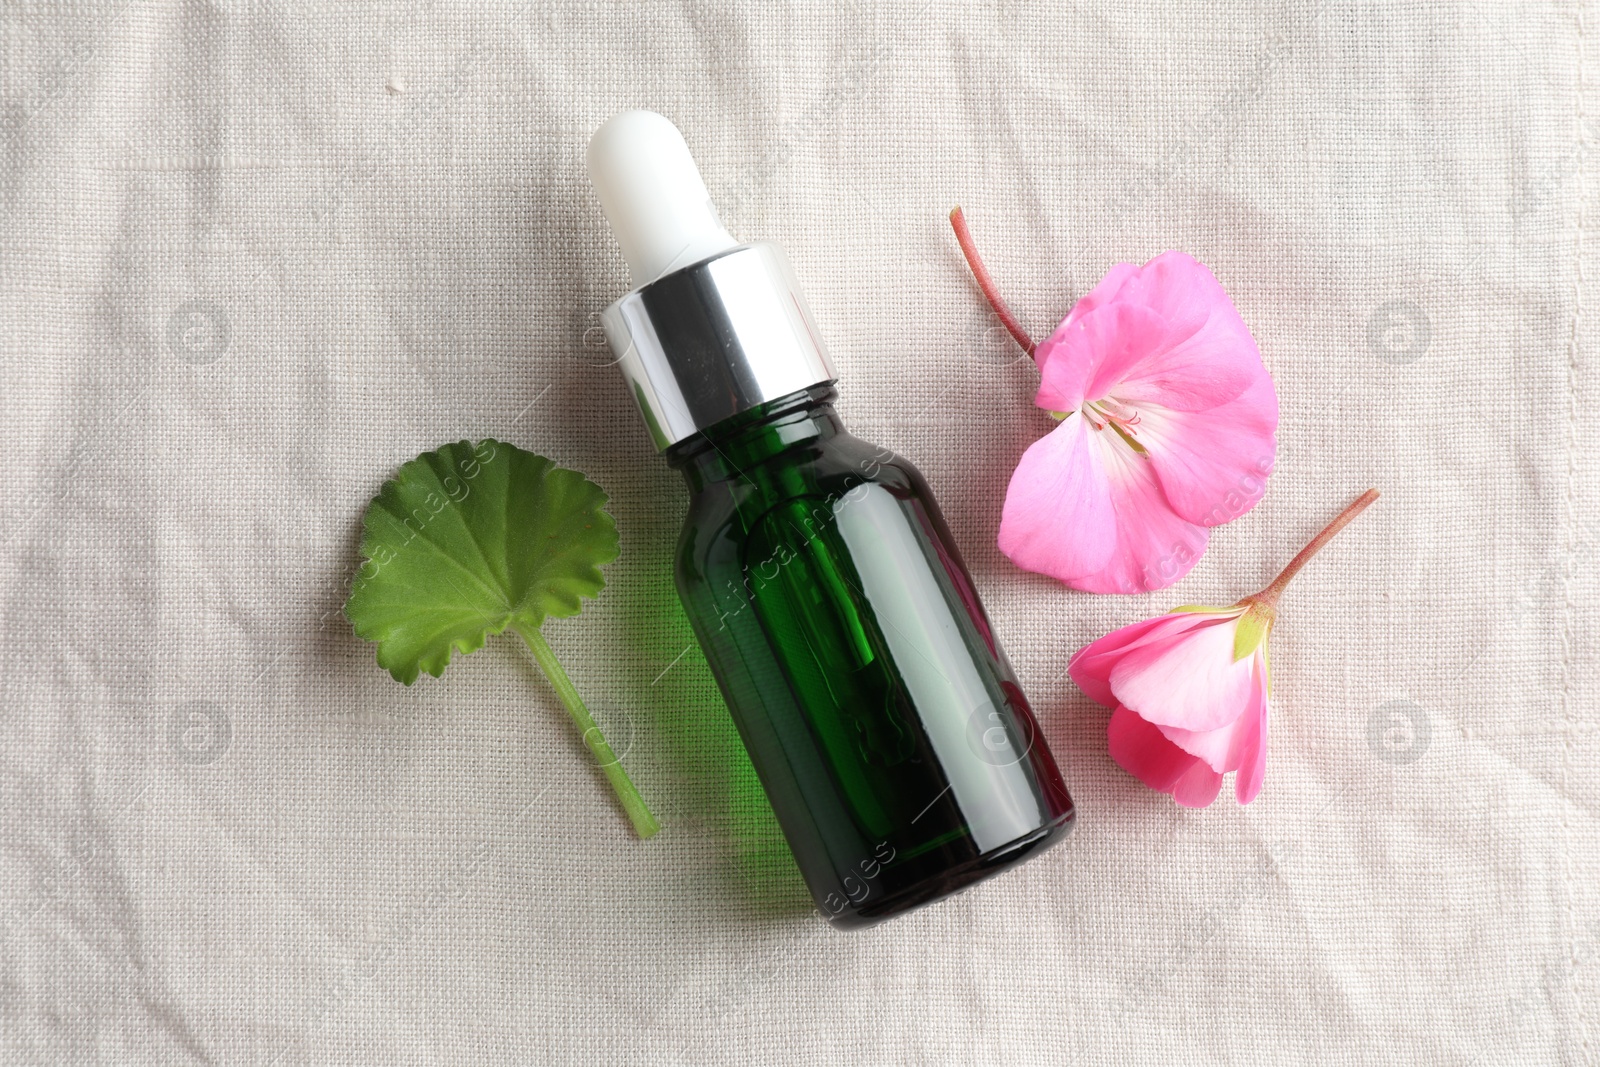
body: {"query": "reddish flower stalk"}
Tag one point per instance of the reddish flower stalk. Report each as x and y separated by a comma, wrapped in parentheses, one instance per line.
(980, 273)
(1269, 596)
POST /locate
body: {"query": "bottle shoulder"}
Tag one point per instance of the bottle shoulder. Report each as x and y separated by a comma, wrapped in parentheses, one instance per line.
(820, 470)
(828, 467)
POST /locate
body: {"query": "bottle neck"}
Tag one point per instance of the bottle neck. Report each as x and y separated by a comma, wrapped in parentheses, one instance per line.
(731, 447)
(715, 340)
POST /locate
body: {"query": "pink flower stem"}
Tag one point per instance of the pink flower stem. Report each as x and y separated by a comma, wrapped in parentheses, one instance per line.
(1271, 593)
(958, 223)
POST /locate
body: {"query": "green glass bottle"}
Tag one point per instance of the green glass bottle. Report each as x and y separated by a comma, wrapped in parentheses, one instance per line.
(900, 756)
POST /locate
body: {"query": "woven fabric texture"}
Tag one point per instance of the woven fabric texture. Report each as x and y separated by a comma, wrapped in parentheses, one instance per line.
(253, 257)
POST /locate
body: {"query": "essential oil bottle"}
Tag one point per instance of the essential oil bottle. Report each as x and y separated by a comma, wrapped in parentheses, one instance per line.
(898, 751)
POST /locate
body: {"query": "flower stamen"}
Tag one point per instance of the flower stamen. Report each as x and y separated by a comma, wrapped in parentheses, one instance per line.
(1110, 412)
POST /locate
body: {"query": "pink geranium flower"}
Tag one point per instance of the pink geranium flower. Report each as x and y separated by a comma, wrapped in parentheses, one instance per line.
(1187, 709)
(1168, 419)
(1190, 689)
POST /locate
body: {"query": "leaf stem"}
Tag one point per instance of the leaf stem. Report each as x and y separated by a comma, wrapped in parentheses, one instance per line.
(1271, 593)
(644, 823)
(958, 222)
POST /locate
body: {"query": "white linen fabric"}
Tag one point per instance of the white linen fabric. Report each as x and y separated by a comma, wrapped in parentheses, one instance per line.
(253, 257)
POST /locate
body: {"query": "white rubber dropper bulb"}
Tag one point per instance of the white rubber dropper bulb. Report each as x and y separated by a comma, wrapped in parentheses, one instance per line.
(653, 195)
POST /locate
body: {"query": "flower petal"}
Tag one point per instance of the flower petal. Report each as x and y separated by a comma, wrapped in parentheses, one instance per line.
(1110, 286)
(1201, 356)
(1178, 287)
(1234, 746)
(1140, 749)
(1065, 366)
(1090, 667)
(1086, 354)
(1254, 768)
(1152, 546)
(1162, 333)
(1189, 680)
(1198, 787)
(1058, 517)
(1213, 465)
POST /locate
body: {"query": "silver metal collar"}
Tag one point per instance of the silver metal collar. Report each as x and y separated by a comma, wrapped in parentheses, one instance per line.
(714, 339)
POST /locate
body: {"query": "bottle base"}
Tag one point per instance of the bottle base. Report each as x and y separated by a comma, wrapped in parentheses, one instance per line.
(953, 880)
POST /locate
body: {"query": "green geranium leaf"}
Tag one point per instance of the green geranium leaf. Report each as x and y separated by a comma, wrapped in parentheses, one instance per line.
(472, 540)
(468, 540)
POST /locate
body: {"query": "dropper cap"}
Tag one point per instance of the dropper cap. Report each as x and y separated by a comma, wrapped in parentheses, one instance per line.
(653, 195)
(713, 328)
